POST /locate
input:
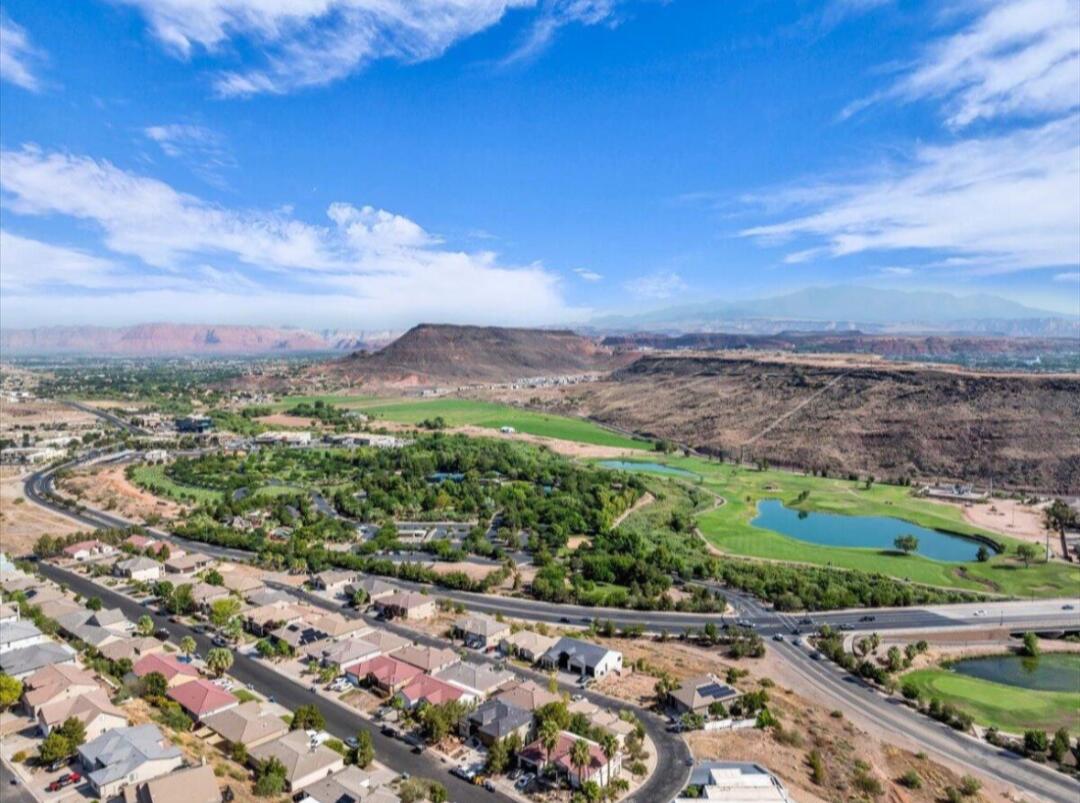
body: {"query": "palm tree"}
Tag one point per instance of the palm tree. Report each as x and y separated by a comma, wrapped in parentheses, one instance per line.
(549, 738)
(187, 645)
(579, 758)
(610, 745)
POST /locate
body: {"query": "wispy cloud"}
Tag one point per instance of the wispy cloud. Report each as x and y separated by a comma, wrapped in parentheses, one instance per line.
(656, 286)
(201, 148)
(588, 275)
(895, 270)
(19, 58)
(556, 14)
(375, 266)
(1070, 277)
(1020, 57)
(315, 42)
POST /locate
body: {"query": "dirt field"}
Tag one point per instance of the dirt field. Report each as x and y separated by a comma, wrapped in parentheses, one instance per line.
(44, 414)
(108, 489)
(21, 521)
(567, 448)
(1010, 517)
(286, 420)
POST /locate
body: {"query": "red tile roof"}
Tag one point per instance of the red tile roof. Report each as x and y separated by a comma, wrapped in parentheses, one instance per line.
(385, 670)
(430, 690)
(201, 697)
(168, 665)
(536, 754)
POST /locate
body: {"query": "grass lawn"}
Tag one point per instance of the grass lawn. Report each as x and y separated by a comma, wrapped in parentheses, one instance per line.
(465, 412)
(1008, 708)
(153, 479)
(728, 528)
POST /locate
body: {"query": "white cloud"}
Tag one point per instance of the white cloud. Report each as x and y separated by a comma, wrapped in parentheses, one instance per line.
(201, 148)
(656, 286)
(894, 270)
(315, 42)
(1007, 202)
(365, 265)
(1016, 58)
(19, 58)
(1071, 277)
(558, 14)
(26, 263)
(588, 275)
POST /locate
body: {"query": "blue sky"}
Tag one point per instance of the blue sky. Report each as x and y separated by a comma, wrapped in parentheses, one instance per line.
(365, 165)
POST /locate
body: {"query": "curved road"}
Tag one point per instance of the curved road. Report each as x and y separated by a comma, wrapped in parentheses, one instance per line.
(845, 691)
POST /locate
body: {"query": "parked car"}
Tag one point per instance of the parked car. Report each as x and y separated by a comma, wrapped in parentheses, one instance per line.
(64, 780)
(352, 742)
(847, 626)
(778, 637)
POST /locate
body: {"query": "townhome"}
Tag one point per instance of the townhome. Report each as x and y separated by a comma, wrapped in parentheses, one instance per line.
(125, 756)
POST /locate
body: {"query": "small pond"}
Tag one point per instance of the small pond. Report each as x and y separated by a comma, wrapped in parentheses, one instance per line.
(651, 468)
(867, 532)
(1048, 672)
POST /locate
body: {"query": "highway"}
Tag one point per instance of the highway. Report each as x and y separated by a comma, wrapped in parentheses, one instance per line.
(106, 416)
(847, 694)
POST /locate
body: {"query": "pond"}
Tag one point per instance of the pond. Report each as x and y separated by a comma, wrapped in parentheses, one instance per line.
(867, 532)
(651, 468)
(1048, 672)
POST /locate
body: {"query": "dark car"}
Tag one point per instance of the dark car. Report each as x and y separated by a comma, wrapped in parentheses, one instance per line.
(847, 626)
(867, 618)
(161, 634)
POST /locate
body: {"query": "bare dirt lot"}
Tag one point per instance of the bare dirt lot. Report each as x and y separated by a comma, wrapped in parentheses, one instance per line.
(106, 488)
(21, 521)
(1010, 517)
(286, 420)
(43, 414)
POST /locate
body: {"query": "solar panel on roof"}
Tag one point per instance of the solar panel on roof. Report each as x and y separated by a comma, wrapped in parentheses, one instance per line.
(716, 690)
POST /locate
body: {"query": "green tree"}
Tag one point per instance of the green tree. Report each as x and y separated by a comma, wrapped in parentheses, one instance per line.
(74, 731)
(55, 747)
(365, 750)
(610, 745)
(498, 758)
(93, 604)
(906, 543)
(145, 626)
(270, 778)
(214, 578)
(218, 660)
(359, 598)
(983, 554)
(1031, 645)
(1059, 746)
(187, 645)
(1035, 741)
(549, 738)
(580, 756)
(181, 601)
(1027, 553)
(308, 717)
(154, 684)
(11, 690)
(223, 610)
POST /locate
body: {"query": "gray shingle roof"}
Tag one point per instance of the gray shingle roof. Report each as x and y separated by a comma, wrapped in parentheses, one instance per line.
(120, 751)
(499, 719)
(585, 652)
(30, 659)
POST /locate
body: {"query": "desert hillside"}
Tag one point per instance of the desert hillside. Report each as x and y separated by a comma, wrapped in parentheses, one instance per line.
(892, 420)
(440, 352)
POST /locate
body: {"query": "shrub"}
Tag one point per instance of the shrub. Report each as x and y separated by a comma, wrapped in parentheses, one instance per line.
(910, 780)
(20, 757)
(868, 784)
(817, 767)
(969, 786)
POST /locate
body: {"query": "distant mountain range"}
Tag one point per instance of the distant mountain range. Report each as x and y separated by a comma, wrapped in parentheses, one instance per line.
(842, 308)
(178, 339)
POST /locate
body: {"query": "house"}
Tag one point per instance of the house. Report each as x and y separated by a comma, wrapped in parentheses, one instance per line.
(85, 550)
(480, 632)
(131, 649)
(194, 424)
(266, 618)
(529, 695)
(582, 657)
(304, 762)
(188, 564)
(344, 652)
(526, 645)
(23, 662)
(191, 785)
(263, 596)
(495, 720)
(125, 756)
(477, 680)
(602, 718)
(241, 583)
(353, 785)
(735, 781)
(696, 694)
(383, 672)
(205, 595)
(52, 684)
(19, 634)
(58, 607)
(599, 769)
(374, 587)
(387, 642)
(110, 620)
(93, 709)
(298, 635)
(429, 659)
(175, 671)
(141, 543)
(336, 626)
(432, 691)
(246, 724)
(408, 605)
(143, 569)
(201, 698)
(334, 581)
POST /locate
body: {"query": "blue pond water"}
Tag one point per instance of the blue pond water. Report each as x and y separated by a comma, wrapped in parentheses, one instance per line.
(1048, 672)
(867, 532)
(651, 468)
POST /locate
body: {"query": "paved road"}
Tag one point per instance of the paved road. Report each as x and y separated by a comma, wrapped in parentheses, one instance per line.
(823, 680)
(340, 722)
(12, 789)
(673, 754)
(106, 416)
